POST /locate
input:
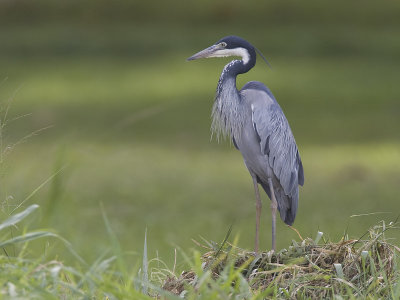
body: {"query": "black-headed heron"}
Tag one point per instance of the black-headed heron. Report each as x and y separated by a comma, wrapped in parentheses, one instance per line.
(259, 130)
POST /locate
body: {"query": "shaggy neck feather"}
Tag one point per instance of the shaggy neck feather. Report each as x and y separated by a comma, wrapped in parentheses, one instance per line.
(227, 112)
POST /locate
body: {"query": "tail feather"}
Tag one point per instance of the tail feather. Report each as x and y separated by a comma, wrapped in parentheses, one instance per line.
(287, 205)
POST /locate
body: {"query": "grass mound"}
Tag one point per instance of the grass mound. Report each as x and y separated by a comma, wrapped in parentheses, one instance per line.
(364, 268)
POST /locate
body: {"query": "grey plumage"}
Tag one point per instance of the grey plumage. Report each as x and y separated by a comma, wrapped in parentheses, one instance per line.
(276, 147)
(259, 130)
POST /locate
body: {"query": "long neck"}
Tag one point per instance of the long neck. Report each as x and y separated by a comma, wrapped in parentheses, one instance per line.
(227, 113)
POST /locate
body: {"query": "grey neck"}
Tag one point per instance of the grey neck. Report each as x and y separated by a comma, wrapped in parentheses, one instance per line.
(227, 113)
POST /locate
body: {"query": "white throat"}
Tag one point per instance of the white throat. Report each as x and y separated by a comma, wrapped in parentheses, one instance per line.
(242, 52)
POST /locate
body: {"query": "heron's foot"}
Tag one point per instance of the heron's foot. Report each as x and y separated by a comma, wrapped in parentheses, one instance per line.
(270, 252)
(254, 253)
(268, 255)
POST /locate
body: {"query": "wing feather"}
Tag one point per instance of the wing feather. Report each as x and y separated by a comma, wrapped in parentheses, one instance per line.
(278, 144)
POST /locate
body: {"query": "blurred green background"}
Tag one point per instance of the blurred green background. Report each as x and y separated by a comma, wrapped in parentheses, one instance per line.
(129, 118)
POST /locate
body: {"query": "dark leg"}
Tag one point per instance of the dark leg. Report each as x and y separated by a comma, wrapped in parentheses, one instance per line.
(258, 213)
(274, 207)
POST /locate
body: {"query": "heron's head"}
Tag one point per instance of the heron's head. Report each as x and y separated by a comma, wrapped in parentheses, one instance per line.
(229, 46)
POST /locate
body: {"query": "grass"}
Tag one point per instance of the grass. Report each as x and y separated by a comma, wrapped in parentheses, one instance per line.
(362, 268)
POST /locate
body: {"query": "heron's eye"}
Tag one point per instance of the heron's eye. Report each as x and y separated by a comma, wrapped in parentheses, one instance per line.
(223, 44)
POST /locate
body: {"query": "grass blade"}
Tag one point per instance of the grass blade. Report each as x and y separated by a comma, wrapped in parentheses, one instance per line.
(27, 237)
(14, 219)
(114, 242)
(145, 267)
(37, 189)
(224, 241)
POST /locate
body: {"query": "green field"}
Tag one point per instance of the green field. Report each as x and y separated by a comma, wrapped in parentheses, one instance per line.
(127, 119)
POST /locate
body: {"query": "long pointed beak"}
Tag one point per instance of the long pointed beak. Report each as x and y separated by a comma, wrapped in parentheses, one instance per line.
(204, 53)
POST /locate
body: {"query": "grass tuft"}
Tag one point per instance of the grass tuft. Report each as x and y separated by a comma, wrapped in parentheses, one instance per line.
(351, 268)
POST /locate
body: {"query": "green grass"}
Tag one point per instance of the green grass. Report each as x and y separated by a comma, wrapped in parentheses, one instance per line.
(362, 268)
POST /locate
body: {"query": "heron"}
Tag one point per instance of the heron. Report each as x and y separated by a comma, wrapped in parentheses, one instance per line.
(254, 121)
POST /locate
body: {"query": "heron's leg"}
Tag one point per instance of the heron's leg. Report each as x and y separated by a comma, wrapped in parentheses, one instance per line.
(274, 206)
(258, 213)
